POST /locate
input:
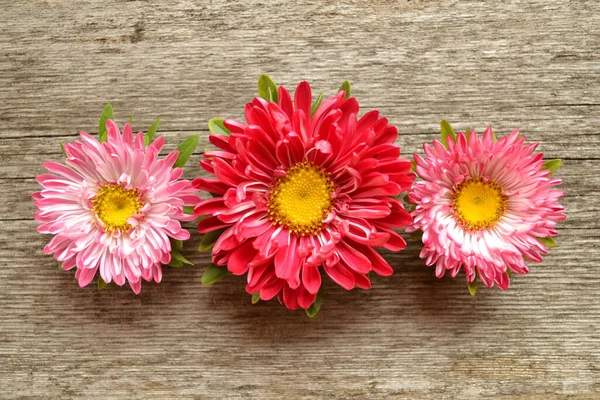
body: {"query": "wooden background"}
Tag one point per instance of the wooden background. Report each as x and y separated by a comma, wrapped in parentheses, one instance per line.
(528, 64)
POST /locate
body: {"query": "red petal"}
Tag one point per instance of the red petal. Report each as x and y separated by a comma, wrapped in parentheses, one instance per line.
(210, 206)
(311, 278)
(304, 298)
(289, 298)
(285, 101)
(210, 185)
(353, 259)
(303, 97)
(287, 261)
(221, 141)
(240, 259)
(270, 290)
(362, 281)
(210, 224)
(340, 275)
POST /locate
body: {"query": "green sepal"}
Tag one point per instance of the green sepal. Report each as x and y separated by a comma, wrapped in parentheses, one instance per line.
(468, 134)
(130, 119)
(316, 104)
(413, 166)
(445, 131)
(60, 266)
(107, 113)
(213, 274)
(345, 86)
(552, 165)
(473, 287)
(189, 210)
(267, 89)
(547, 241)
(101, 284)
(216, 126)
(151, 132)
(315, 307)
(185, 149)
(209, 239)
(255, 297)
(62, 147)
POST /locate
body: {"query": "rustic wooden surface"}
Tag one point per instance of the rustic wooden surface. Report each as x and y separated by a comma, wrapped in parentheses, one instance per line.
(528, 64)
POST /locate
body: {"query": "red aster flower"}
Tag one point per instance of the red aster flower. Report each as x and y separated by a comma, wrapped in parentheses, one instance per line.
(302, 188)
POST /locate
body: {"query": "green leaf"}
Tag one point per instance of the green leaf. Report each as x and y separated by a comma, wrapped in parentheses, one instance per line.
(272, 95)
(315, 307)
(107, 113)
(345, 86)
(130, 119)
(176, 244)
(446, 130)
(175, 263)
(62, 147)
(494, 137)
(213, 274)
(151, 132)
(209, 239)
(473, 287)
(60, 266)
(216, 126)
(413, 166)
(547, 241)
(267, 89)
(316, 104)
(468, 134)
(101, 284)
(185, 149)
(177, 256)
(255, 297)
(188, 210)
(552, 165)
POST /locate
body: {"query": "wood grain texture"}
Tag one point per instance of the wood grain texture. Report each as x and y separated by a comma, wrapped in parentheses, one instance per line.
(528, 64)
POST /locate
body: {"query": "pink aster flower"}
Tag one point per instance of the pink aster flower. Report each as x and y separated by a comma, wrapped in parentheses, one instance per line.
(113, 208)
(298, 193)
(484, 206)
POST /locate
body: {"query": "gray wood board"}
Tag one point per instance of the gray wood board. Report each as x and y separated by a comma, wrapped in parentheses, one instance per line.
(528, 64)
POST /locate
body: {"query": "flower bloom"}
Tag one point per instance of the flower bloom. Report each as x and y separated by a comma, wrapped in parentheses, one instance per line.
(113, 208)
(482, 205)
(295, 192)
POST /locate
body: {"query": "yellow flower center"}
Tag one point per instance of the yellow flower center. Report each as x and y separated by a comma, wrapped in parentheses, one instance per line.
(478, 205)
(302, 199)
(114, 204)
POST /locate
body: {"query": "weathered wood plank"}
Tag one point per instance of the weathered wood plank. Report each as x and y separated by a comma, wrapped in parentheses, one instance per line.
(530, 64)
(510, 62)
(453, 336)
